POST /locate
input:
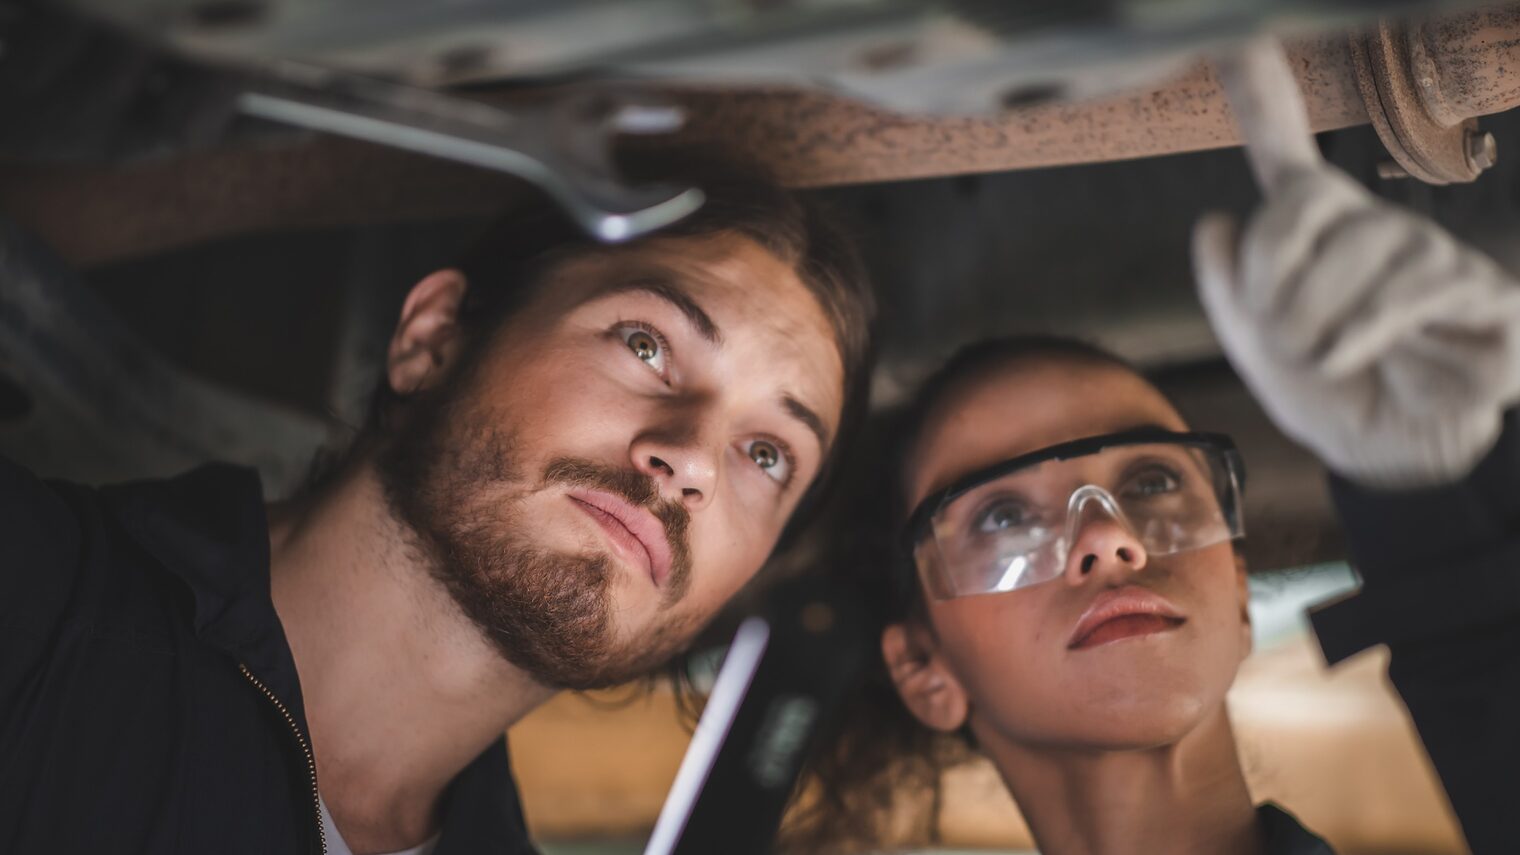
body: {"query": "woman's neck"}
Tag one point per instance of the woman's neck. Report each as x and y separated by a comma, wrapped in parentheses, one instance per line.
(1188, 797)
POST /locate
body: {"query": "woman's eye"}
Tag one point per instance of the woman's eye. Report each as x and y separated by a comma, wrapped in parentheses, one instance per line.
(1003, 515)
(1153, 481)
(771, 459)
(646, 344)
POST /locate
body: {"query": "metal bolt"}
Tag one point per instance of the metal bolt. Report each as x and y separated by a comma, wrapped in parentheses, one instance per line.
(1482, 149)
(1389, 170)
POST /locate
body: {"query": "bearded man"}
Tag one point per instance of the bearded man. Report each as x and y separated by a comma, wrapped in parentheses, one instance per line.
(577, 455)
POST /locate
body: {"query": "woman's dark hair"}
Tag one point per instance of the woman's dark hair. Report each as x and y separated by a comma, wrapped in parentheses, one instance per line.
(878, 778)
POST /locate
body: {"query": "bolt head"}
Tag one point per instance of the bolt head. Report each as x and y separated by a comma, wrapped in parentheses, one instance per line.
(1482, 149)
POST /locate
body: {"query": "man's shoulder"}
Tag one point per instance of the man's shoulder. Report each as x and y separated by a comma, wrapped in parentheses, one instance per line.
(106, 556)
(41, 541)
(34, 515)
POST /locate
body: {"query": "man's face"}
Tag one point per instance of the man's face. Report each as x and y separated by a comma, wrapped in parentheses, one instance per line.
(621, 455)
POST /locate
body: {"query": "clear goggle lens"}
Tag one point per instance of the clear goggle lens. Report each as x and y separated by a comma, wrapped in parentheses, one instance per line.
(1016, 529)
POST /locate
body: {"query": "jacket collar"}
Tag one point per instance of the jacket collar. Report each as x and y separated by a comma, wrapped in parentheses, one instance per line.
(1285, 835)
(208, 528)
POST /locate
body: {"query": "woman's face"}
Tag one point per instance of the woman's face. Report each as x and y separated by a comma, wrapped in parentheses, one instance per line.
(1012, 654)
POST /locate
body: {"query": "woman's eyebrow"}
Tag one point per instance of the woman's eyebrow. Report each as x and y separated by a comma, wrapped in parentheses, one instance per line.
(672, 293)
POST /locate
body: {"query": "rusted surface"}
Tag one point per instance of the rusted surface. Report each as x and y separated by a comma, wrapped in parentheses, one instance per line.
(1476, 62)
(93, 215)
(1424, 82)
(813, 139)
(809, 138)
(1430, 136)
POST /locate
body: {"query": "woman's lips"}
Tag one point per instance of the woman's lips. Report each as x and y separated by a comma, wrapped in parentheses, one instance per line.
(634, 530)
(1120, 613)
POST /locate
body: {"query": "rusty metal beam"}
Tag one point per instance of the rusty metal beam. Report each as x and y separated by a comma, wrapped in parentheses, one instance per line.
(95, 215)
(813, 139)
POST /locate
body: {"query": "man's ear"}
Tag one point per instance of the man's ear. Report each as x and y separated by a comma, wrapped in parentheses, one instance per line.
(1243, 594)
(427, 336)
(930, 691)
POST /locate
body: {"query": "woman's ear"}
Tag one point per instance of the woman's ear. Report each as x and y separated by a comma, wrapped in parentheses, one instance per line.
(930, 691)
(427, 335)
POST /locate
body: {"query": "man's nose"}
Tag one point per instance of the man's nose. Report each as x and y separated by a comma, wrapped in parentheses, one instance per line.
(682, 460)
(1103, 548)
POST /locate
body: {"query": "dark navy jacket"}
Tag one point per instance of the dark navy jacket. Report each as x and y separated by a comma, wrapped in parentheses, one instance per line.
(148, 699)
(1440, 574)
(1283, 835)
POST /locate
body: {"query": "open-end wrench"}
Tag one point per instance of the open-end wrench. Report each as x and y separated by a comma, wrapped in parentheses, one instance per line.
(563, 147)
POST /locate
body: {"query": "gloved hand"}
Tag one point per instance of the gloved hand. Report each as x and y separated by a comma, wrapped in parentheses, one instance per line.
(1368, 333)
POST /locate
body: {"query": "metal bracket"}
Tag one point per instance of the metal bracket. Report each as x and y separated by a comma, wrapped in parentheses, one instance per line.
(1401, 89)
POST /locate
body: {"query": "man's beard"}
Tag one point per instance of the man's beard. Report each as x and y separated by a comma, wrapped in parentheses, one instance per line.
(452, 479)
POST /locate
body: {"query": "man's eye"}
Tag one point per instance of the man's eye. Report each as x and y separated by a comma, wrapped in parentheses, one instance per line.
(647, 344)
(771, 459)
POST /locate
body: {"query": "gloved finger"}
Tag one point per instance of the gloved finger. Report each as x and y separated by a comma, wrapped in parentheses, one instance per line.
(1269, 109)
(1444, 371)
(1373, 336)
(1469, 310)
(1434, 281)
(1282, 239)
(1343, 280)
(1216, 236)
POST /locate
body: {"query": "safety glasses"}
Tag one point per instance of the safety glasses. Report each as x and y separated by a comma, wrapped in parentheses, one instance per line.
(1011, 525)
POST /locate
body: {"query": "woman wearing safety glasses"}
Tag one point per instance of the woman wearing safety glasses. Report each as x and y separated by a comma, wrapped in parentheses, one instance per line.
(1066, 599)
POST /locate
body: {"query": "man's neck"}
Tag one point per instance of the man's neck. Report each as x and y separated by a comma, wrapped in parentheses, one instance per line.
(401, 691)
(1189, 797)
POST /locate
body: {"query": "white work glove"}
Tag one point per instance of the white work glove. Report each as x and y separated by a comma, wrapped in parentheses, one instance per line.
(1369, 334)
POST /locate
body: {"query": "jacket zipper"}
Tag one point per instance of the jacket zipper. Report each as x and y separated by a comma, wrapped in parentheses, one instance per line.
(311, 761)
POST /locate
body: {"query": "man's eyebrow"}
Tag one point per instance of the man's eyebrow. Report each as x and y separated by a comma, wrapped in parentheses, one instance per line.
(680, 300)
(803, 413)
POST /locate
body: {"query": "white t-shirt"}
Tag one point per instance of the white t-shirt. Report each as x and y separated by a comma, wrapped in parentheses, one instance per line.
(337, 846)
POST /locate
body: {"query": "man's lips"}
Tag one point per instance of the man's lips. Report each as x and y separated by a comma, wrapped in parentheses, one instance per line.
(630, 527)
(1120, 613)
